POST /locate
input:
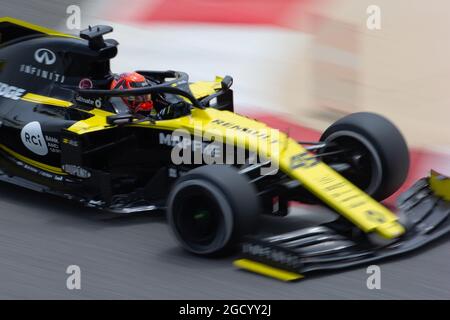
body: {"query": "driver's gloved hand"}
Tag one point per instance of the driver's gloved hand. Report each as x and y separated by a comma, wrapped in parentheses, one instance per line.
(175, 110)
(166, 112)
(182, 108)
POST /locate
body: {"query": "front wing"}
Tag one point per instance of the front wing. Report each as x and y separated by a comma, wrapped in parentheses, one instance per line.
(425, 212)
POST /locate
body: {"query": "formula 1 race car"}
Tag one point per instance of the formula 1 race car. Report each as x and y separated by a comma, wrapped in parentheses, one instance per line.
(63, 131)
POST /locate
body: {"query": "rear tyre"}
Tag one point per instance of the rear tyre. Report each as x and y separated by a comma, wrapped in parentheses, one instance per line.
(377, 152)
(211, 208)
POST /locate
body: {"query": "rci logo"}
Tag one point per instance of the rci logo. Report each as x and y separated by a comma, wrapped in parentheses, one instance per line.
(45, 56)
(33, 139)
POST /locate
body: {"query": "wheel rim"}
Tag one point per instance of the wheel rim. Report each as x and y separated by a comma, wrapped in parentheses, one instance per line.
(366, 167)
(199, 220)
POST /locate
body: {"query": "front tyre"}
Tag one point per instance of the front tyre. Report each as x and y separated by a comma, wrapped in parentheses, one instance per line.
(211, 208)
(375, 149)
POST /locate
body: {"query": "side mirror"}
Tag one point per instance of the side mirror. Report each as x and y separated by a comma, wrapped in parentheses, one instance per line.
(227, 82)
(119, 119)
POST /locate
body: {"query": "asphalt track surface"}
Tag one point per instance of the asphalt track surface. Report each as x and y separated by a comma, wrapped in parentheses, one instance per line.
(136, 257)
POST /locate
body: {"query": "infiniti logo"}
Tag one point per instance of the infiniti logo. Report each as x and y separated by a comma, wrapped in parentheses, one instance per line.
(45, 56)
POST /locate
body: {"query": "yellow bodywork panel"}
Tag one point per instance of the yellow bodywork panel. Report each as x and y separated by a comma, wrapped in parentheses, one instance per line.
(266, 270)
(203, 89)
(440, 185)
(95, 123)
(36, 98)
(328, 185)
(34, 27)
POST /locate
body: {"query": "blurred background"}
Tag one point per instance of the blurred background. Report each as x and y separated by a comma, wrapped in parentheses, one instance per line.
(298, 65)
(306, 61)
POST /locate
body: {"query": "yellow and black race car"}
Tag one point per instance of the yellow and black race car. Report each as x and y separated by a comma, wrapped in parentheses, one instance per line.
(64, 131)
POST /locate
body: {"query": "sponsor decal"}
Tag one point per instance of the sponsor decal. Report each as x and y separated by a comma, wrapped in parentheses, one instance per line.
(97, 102)
(71, 142)
(11, 92)
(76, 171)
(53, 144)
(303, 160)
(168, 140)
(272, 254)
(185, 142)
(264, 134)
(183, 145)
(212, 147)
(85, 83)
(33, 139)
(44, 56)
(41, 73)
(40, 172)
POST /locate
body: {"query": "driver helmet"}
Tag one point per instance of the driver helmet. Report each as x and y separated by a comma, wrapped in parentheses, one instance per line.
(133, 80)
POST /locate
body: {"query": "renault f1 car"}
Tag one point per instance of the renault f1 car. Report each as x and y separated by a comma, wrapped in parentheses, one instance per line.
(64, 132)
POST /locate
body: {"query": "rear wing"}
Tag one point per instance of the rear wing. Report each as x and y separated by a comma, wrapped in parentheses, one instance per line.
(12, 29)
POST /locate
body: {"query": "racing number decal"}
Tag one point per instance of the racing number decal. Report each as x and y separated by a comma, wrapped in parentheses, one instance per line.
(303, 160)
